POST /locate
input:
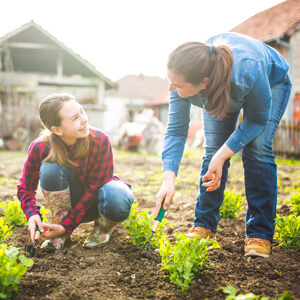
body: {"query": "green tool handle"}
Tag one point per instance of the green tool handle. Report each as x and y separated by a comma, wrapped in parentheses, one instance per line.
(159, 217)
(161, 213)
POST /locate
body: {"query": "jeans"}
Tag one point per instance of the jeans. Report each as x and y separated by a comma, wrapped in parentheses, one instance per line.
(260, 170)
(114, 199)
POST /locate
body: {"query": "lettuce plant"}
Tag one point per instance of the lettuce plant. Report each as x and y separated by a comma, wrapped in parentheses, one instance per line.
(294, 201)
(184, 260)
(14, 215)
(231, 206)
(5, 231)
(139, 226)
(12, 268)
(288, 231)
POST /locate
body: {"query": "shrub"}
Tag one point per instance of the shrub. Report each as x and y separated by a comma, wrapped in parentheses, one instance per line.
(231, 206)
(185, 258)
(12, 268)
(139, 226)
(288, 231)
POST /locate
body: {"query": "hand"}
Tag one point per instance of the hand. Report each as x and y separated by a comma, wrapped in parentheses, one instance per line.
(53, 231)
(166, 192)
(214, 172)
(33, 222)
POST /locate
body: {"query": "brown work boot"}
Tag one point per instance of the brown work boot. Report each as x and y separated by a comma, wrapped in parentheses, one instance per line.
(201, 232)
(257, 247)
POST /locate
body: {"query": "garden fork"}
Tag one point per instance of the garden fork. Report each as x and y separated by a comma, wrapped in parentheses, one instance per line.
(147, 246)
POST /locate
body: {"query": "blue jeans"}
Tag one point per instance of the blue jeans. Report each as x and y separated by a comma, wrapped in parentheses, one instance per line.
(114, 199)
(260, 170)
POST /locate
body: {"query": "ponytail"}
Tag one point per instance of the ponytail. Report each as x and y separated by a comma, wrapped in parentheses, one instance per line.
(196, 61)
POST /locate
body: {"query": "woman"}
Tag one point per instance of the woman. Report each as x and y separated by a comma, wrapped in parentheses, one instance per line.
(74, 164)
(228, 73)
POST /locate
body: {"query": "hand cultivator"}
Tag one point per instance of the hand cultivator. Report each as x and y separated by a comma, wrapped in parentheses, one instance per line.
(147, 247)
(29, 249)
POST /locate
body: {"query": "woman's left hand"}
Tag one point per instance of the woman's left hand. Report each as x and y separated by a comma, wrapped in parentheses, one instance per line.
(214, 172)
(54, 231)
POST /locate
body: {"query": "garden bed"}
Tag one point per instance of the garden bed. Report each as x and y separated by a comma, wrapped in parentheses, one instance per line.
(115, 271)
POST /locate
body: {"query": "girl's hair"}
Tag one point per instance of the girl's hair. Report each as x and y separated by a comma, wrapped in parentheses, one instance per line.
(196, 61)
(49, 115)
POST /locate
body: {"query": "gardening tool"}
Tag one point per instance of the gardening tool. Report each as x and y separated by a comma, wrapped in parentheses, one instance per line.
(30, 248)
(147, 246)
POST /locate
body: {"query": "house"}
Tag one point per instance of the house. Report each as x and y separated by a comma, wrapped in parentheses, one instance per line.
(279, 27)
(131, 96)
(34, 64)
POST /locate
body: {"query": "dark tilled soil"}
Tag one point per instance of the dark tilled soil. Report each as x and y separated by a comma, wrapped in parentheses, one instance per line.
(115, 271)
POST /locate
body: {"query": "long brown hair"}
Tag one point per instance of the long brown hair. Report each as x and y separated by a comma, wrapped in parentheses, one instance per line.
(49, 116)
(196, 61)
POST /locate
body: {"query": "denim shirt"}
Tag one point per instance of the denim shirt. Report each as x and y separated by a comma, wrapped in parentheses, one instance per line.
(256, 68)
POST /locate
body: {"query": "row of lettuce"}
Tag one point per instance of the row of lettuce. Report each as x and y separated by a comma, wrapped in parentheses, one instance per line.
(185, 258)
(182, 259)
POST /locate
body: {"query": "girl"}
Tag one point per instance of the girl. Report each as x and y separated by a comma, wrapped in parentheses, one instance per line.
(74, 164)
(228, 73)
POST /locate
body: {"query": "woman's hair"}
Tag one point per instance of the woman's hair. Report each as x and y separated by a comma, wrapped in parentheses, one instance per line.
(196, 61)
(49, 115)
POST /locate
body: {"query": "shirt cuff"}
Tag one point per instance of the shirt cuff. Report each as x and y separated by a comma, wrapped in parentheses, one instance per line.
(170, 165)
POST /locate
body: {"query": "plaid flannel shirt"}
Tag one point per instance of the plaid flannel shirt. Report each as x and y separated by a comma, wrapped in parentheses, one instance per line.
(93, 172)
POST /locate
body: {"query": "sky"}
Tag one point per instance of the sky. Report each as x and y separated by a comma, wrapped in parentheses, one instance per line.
(121, 37)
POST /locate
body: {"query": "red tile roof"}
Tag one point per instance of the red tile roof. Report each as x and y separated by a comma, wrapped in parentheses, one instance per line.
(272, 23)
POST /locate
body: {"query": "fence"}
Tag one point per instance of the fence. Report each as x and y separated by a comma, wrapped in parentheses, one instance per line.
(287, 139)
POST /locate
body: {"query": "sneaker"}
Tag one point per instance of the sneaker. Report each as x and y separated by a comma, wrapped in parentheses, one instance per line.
(257, 247)
(58, 243)
(201, 232)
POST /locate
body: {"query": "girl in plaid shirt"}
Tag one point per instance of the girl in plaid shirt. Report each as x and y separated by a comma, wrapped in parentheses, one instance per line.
(74, 164)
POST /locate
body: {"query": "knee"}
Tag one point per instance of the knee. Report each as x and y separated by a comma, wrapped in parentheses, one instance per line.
(115, 199)
(52, 177)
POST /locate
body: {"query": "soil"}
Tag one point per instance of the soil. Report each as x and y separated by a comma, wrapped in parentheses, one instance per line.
(115, 271)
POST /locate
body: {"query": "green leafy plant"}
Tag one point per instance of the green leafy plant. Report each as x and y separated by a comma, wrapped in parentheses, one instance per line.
(288, 231)
(5, 231)
(12, 268)
(231, 206)
(295, 203)
(231, 291)
(14, 215)
(139, 226)
(184, 260)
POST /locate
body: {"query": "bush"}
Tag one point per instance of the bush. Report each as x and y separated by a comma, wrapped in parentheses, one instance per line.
(231, 206)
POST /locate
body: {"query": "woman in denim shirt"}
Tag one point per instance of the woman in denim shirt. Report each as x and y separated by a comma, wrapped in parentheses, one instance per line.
(227, 73)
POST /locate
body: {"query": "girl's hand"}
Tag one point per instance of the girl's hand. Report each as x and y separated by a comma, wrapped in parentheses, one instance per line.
(52, 231)
(166, 192)
(33, 222)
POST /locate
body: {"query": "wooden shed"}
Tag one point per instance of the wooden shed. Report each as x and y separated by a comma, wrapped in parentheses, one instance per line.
(34, 64)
